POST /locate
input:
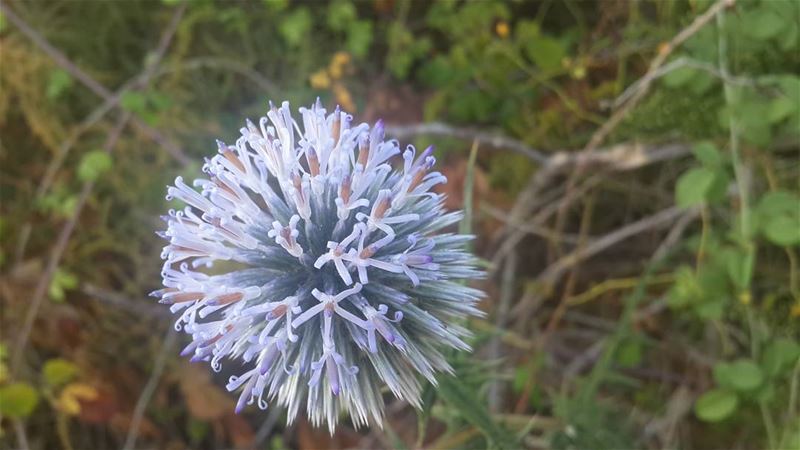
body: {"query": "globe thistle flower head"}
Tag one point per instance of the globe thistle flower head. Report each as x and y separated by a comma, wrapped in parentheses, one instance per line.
(316, 263)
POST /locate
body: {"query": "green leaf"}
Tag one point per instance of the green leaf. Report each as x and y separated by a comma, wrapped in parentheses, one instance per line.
(134, 102)
(276, 5)
(685, 289)
(93, 164)
(752, 114)
(711, 309)
(718, 191)
(716, 405)
(780, 354)
(790, 85)
(783, 230)
(746, 375)
(438, 72)
(763, 24)
(465, 401)
(359, 38)
(159, 100)
(546, 52)
(781, 108)
(778, 217)
(629, 353)
(18, 400)
(706, 152)
(778, 203)
(679, 77)
(341, 13)
(296, 27)
(740, 268)
(61, 282)
(59, 371)
(58, 83)
(724, 374)
(692, 186)
(702, 81)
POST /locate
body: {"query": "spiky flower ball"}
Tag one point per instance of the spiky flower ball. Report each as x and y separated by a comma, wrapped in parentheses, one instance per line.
(317, 267)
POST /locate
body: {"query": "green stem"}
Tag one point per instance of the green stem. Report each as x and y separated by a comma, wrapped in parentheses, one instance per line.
(768, 423)
(736, 157)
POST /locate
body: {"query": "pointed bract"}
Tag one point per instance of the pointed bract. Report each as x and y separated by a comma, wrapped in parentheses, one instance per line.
(337, 281)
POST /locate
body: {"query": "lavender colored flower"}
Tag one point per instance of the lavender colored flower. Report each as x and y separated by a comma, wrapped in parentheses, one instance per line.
(321, 270)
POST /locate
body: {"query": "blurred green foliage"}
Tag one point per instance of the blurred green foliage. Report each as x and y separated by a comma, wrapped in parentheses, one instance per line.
(544, 73)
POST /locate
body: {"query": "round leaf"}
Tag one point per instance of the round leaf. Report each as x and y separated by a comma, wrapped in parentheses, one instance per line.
(777, 203)
(715, 405)
(679, 77)
(783, 230)
(746, 375)
(59, 371)
(93, 164)
(707, 153)
(692, 186)
(18, 400)
(546, 52)
(780, 354)
(781, 108)
(724, 374)
(764, 24)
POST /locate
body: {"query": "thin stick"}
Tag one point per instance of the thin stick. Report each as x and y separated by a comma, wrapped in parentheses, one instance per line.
(660, 219)
(488, 139)
(265, 430)
(586, 221)
(149, 388)
(622, 157)
(526, 228)
(680, 63)
(496, 389)
(516, 237)
(119, 301)
(22, 436)
(555, 271)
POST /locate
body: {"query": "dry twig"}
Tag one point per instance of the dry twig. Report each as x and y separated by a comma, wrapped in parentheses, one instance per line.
(555, 271)
(149, 388)
(483, 138)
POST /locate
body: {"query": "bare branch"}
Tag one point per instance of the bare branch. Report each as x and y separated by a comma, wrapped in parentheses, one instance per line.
(488, 139)
(124, 303)
(655, 221)
(553, 273)
(150, 388)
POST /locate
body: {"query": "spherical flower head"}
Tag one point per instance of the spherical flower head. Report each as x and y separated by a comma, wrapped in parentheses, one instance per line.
(315, 259)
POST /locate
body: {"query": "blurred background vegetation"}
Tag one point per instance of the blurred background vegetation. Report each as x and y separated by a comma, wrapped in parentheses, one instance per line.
(634, 186)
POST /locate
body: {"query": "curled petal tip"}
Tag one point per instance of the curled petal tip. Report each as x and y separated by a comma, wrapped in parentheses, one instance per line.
(261, 214)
